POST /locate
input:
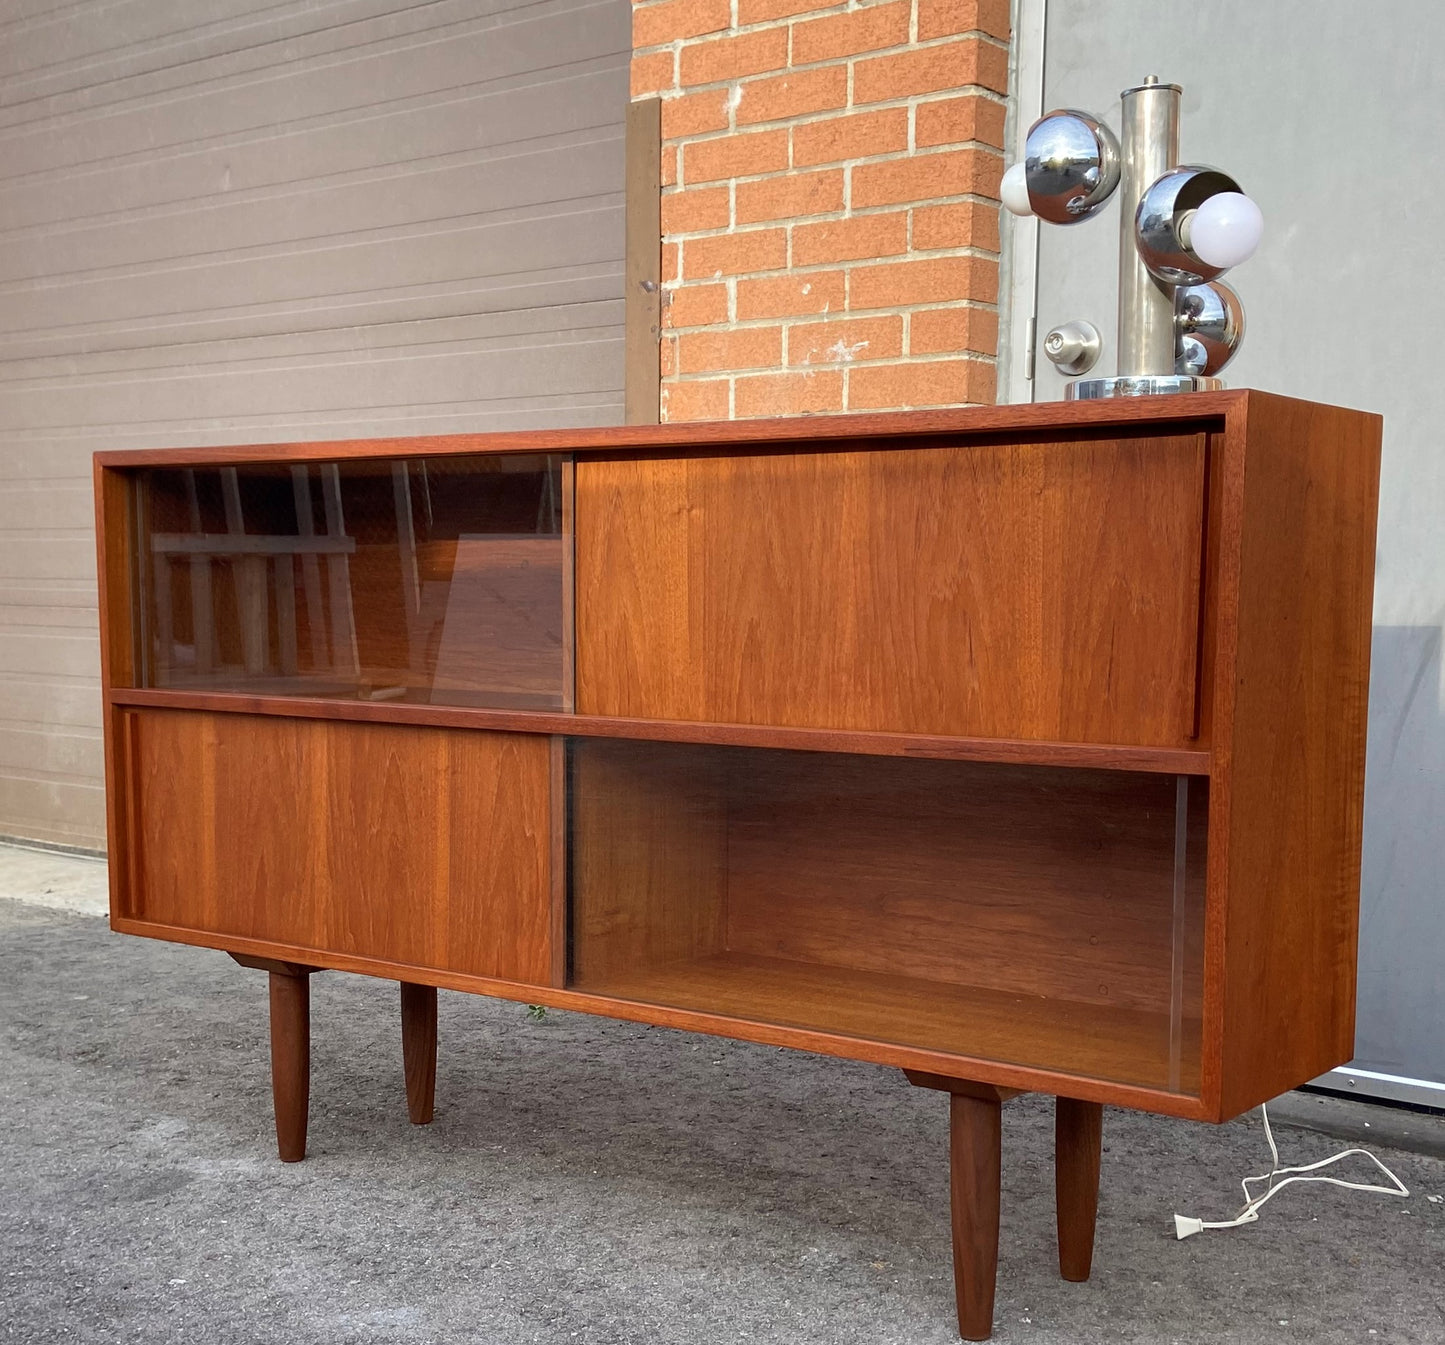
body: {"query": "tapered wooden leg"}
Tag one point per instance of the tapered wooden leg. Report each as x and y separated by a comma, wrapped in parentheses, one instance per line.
(975, 1117)
(291, 1060)
(1078, 1140)
(419, 1049)
(974, 1165)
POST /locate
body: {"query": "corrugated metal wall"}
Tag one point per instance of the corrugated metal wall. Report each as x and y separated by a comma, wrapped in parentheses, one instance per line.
(229, 220)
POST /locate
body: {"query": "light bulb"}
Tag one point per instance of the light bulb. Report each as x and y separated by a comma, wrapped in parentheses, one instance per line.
(1015, 191)
(1226, 229)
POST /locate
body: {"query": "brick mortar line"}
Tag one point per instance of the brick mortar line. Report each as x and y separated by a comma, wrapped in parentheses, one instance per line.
(830, 216)
(823, 319)
(830, 366)
(679, 44)
(820, 321)
(928, 254)
(923, 306)
(980, 91)
(907, 102)
(900, 157)
(847, 267)
(699, 236)
(850, 265)
(836, 165)
(980, 198)
(891, 362)
(717, 85)
(792, 21)
(841, 7)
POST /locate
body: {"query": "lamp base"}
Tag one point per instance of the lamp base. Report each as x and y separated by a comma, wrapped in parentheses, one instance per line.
(1138, 385)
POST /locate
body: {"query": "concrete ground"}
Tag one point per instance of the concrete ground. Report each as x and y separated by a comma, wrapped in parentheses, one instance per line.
(596, 1182)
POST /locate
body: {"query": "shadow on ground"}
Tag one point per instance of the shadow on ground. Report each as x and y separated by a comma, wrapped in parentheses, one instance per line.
(593, 1182)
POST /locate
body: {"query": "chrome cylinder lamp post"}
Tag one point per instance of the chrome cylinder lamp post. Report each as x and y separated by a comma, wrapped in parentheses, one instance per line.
(1181, 228)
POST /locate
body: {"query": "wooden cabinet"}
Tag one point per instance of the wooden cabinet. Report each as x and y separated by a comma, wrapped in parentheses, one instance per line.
(1021, 749)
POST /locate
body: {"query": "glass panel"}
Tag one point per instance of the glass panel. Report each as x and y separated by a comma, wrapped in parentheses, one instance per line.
(1036, 916)
(426, 579)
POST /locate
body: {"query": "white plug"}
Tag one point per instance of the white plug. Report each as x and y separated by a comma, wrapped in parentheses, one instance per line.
(1277, 1178)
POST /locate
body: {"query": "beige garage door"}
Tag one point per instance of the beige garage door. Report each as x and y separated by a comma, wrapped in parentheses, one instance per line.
(234, 221)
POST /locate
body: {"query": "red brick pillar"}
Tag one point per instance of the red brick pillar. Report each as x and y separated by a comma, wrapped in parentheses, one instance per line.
(830, 201)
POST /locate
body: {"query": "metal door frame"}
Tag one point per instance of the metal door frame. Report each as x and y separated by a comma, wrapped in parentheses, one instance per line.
(1019, 264)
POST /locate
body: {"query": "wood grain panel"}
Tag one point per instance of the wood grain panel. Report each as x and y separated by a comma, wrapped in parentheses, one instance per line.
(1038, 882)
(928, 590)
(427, 847)
(1294, 758)
(1097, 1042)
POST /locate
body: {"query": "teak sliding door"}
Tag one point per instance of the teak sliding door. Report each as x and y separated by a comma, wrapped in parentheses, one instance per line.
(1035, 590)
(429, 847)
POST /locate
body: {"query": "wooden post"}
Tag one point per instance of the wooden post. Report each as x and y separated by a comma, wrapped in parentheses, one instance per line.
(1078, 1141)
(419, 1049)
(975, 1161)
(291, 1060)
(290, 1050)
(975, 1167)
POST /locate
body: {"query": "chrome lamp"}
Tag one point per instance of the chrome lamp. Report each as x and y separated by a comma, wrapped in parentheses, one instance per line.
(1182, 227)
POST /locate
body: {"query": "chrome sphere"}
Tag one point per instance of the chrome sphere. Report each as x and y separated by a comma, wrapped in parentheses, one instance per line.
(1210, 322)
(1161, 225)
(1071, 162)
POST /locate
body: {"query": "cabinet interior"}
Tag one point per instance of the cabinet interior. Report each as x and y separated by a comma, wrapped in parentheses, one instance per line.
(1026, 914)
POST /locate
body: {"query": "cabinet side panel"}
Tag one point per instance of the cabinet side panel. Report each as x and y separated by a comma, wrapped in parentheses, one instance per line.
(1294, 767)
(1029, 590)
(114, 548)
(428, 847)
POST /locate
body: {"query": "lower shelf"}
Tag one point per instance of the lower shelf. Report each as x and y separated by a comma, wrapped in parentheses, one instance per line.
(1033, 916)
(1096, 1041)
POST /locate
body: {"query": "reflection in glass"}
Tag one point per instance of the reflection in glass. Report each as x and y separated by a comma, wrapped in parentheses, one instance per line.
(1030, 915)
(429, 579)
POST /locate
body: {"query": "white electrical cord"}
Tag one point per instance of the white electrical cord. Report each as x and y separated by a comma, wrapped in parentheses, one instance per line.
(1185, 1227)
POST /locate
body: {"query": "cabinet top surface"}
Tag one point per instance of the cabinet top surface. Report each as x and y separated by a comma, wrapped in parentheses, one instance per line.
(738, 434)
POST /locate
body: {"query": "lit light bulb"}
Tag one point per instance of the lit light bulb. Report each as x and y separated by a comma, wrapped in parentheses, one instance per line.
(1015, 191)
(1226, 229)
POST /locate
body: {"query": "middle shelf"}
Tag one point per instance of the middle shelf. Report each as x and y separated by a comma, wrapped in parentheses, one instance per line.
(282, 704)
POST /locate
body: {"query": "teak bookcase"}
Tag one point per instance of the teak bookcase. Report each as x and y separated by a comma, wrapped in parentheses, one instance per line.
(1020, 748)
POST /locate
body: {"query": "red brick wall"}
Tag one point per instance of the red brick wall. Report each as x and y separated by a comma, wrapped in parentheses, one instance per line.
(830, 201)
